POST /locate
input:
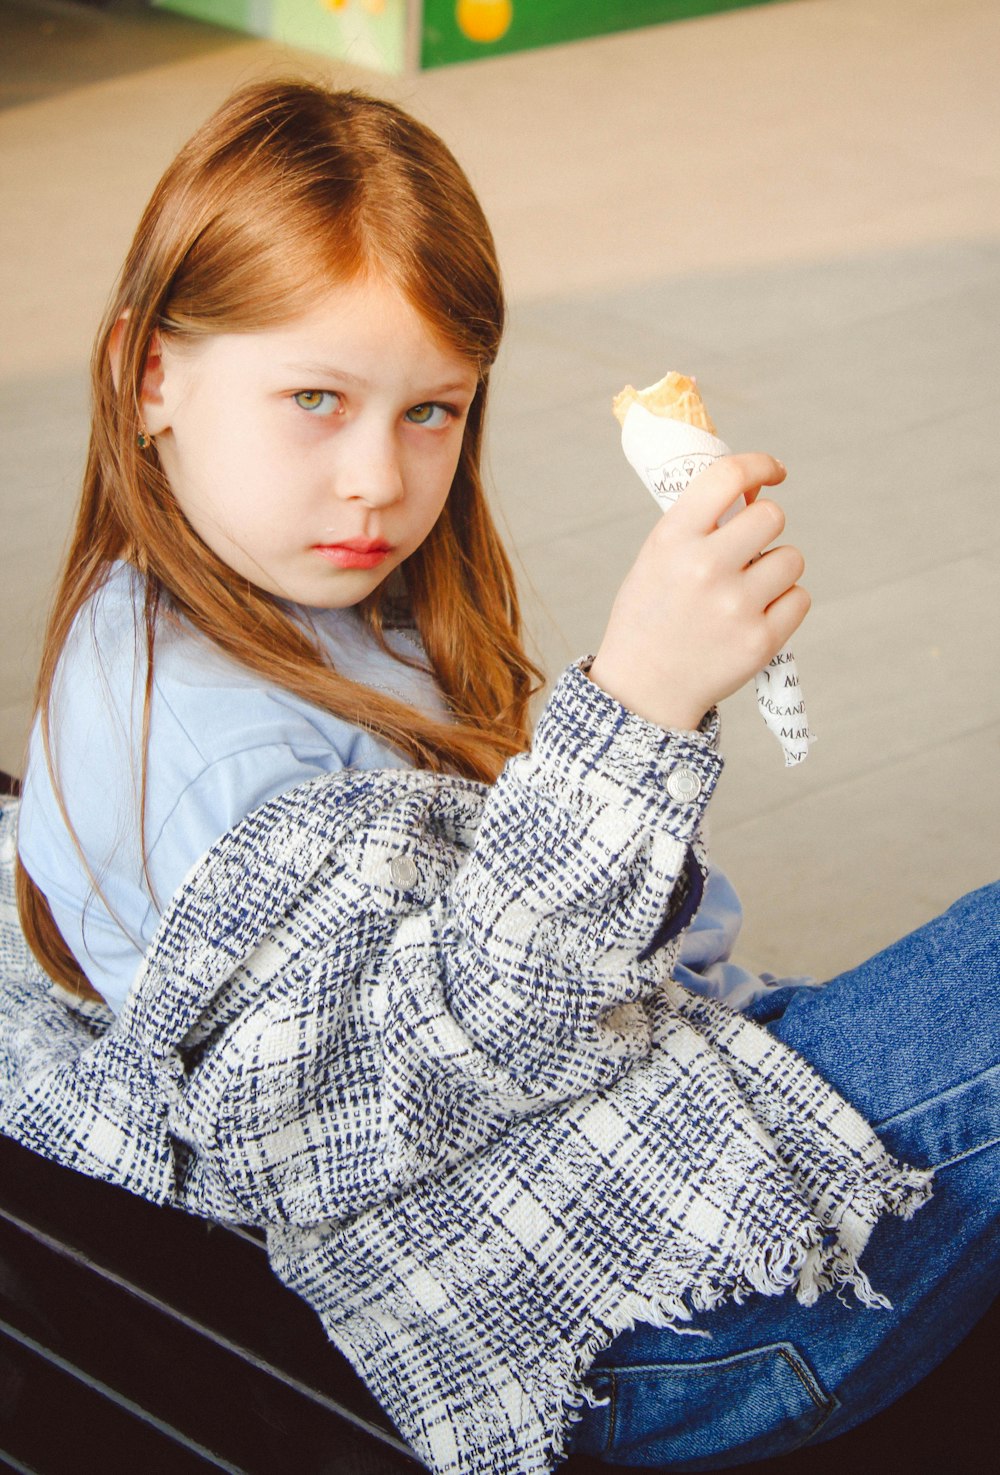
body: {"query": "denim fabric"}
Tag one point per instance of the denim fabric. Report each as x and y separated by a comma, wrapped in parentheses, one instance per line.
(911, 1039)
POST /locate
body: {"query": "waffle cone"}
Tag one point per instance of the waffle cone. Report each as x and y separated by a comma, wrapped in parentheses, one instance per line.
(675, 397)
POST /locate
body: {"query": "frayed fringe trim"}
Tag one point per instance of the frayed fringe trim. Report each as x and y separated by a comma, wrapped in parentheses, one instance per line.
(826, 1260)
(816, 1258)
(898, 1190)
(667, 1312)
(587, 1397)
(835, 1270)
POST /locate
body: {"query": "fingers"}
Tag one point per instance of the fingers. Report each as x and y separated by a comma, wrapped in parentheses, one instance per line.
(786, 613)
(702, 608)
(752, 529)
(709, 495)
(770, 575)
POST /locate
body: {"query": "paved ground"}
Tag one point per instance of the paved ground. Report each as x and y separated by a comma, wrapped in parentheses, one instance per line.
(798, 202)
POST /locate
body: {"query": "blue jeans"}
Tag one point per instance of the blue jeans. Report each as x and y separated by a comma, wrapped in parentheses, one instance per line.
(911, 1038)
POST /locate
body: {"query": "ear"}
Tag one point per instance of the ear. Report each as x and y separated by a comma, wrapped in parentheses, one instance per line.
(154, 408)
(115, 349)
(151, 393)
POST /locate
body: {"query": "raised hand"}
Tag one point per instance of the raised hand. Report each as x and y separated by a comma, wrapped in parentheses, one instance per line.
(704, 607)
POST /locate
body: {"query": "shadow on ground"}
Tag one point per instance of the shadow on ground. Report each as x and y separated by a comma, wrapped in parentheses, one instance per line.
(54, 46)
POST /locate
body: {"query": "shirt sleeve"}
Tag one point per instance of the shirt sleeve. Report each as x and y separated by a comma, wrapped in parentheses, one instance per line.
(583, 844)
(220, 744)
(705, 964)
(215, 799)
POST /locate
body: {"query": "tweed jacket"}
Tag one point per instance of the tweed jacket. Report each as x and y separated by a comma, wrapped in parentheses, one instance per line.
(424, 1033)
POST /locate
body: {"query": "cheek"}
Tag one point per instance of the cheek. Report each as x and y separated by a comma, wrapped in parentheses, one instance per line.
(228, 495)
(437, 500)
(447, 472)
(239, 470)
(428, 478)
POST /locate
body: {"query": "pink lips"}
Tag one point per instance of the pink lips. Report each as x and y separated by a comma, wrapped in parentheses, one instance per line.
(355, 552)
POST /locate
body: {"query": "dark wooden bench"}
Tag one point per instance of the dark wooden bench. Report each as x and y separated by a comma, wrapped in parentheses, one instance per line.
(137, 1340)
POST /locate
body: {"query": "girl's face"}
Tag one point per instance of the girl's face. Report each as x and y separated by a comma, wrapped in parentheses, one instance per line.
(313, 457)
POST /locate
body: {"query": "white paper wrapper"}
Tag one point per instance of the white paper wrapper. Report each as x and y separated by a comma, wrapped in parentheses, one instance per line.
(667, 454)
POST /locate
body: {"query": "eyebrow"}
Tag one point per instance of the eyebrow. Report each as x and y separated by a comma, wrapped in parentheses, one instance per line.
(320, 372)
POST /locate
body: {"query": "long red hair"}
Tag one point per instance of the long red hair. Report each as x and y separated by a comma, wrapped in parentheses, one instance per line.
(287, 189)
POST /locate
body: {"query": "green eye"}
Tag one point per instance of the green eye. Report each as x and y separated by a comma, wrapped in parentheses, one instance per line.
(316, 401)
(428, 414)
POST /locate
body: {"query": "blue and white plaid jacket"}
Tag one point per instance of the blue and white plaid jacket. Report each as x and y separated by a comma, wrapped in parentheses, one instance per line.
(424, 1033)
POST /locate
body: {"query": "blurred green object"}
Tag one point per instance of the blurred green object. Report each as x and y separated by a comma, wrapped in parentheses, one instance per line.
(450, 29)
(406, 35)
(367, 33)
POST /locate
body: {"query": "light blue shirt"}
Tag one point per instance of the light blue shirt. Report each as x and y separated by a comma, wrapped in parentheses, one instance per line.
(222, 741)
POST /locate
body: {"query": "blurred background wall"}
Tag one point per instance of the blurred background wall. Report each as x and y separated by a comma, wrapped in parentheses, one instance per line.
(799, 203)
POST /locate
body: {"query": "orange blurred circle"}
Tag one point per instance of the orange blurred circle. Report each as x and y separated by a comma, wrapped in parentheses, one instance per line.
(484, 20)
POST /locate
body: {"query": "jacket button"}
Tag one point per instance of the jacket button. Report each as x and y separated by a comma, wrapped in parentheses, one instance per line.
(683, 784)
(403, 871)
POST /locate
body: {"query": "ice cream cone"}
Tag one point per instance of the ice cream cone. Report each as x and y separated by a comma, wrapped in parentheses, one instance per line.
(675, 397)
(668, 438)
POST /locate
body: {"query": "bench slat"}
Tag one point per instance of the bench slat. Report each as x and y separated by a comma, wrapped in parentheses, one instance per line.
(183, 1323)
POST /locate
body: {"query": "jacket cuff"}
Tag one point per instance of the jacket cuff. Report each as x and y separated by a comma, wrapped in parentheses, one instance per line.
(588, 741)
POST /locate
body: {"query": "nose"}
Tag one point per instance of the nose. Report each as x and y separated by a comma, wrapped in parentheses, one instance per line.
(371, 471)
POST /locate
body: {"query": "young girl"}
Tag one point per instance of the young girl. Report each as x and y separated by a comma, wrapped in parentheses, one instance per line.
(418, 1011)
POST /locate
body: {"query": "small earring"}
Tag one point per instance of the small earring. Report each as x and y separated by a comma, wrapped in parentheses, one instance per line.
(144, 440)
